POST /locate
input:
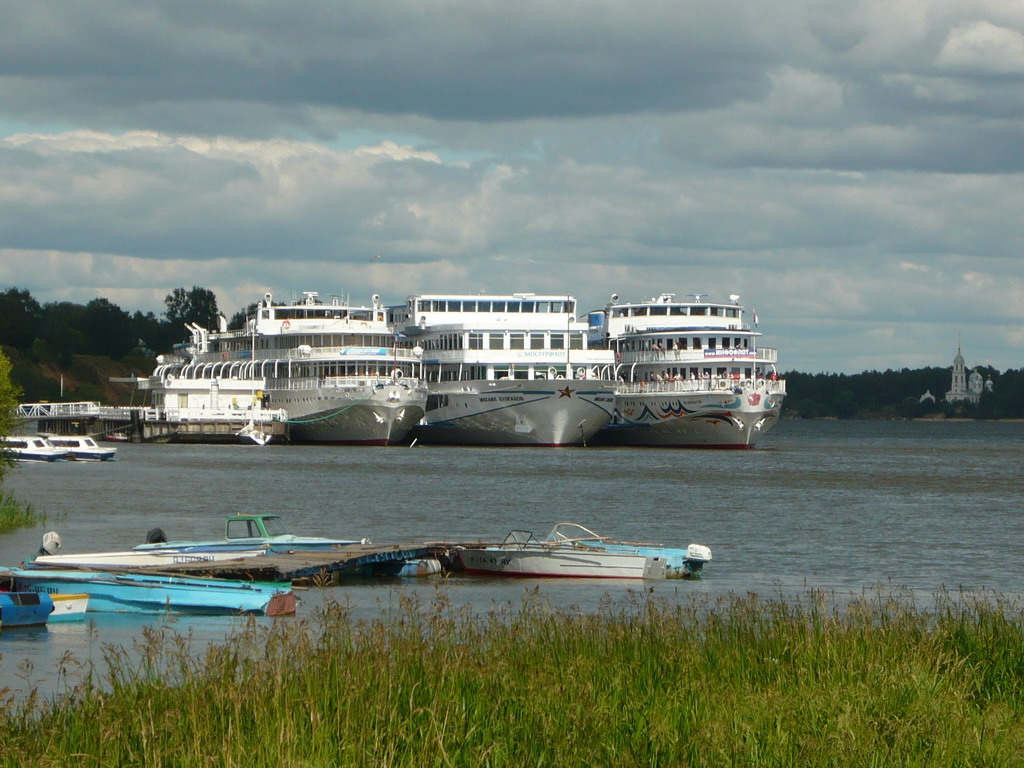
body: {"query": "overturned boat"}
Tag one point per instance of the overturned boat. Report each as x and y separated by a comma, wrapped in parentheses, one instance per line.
(145, 593)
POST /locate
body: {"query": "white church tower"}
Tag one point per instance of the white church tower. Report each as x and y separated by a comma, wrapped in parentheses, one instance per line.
(960, 390)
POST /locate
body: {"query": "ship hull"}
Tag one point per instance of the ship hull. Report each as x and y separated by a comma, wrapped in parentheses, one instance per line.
(555, 412)
(366, 415)
(726, 419)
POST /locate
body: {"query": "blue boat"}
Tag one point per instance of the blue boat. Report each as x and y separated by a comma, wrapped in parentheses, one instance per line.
(143, 593)
(24, 609)
(679, 563)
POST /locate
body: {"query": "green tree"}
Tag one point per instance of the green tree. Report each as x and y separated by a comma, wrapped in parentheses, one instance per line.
(21, 318)
(107, 329)
(198, 305)
(10, 396)
(61, 329)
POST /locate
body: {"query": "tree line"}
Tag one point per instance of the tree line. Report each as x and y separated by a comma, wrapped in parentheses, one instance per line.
(59, 330)
(898, 394)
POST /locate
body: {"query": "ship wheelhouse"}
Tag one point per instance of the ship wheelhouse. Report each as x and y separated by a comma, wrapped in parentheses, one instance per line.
(497, 337)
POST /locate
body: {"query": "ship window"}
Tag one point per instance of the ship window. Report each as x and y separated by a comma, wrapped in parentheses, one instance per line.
(575, 341)
(517, 341)
(469, 306)
(678, 310)
(731, 312)
(557, 341)
(483, 306)
(476, 340)
(659, 310)
(713, 311)
(496, 341)
(698, 310)
(515, 306)
(528, 306)
(736, 343)
(696, 343)
(536, 341)
(683, 343)
(712, 342)
(544, 306)
(558, 306)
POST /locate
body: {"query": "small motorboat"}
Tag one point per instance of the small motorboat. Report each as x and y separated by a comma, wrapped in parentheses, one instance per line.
(83, 448)
(573, 551)
(680, 563)
(32, 448)
(251, 434)
(248, 531)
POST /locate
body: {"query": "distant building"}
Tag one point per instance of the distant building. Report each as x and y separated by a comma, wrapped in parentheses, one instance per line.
(964, 388)
(927, 397)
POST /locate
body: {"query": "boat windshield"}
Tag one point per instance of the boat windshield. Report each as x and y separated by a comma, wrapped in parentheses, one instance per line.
(275, 526)
(572, 532)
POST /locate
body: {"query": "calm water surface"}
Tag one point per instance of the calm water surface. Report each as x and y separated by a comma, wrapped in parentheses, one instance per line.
(841, 506)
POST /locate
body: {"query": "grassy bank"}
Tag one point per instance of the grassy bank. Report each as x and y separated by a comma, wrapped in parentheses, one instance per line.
(15, 514)
(738, 681)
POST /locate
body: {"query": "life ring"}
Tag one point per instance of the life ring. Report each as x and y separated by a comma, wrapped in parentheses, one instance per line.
(285, 325)
(745, 383)
(396, 374)
(760, 384)
(723, 384)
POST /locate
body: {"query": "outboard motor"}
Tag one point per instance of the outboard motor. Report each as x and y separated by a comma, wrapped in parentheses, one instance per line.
(51, 543)
(156, 536)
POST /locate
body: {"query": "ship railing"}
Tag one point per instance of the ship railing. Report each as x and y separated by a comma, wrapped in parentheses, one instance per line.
(700, 356)
(337, 382)
(714, 384)
(314, 353)
(175, 414)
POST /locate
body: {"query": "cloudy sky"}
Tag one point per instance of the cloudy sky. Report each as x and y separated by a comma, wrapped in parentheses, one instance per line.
(853, 169)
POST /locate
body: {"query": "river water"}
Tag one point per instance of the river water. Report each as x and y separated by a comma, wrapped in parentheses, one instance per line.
(842, 506)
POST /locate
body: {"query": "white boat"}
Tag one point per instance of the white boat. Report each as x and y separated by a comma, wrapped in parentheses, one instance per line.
(339, 372)
(32, 448)
(692, 373)
(83, 447)
(508, 369)
(251, 434)
(69, 607)
(245, 536)
(679, 563)
(520, 554)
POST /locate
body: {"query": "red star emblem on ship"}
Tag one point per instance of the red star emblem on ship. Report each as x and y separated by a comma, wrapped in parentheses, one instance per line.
(566, 392)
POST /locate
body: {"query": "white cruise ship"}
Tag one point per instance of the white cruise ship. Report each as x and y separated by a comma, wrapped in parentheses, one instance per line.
(510, 369)
(692, 373)
(339, 372)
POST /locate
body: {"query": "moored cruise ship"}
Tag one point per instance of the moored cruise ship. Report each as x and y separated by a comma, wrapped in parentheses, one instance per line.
(509, 369)
(692, 373)
(339, 372)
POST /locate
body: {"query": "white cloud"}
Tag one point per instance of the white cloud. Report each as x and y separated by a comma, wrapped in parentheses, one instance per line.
(985, 48)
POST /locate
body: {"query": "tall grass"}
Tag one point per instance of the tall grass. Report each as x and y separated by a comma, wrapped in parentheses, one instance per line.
(15, 514)
(739, 681)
